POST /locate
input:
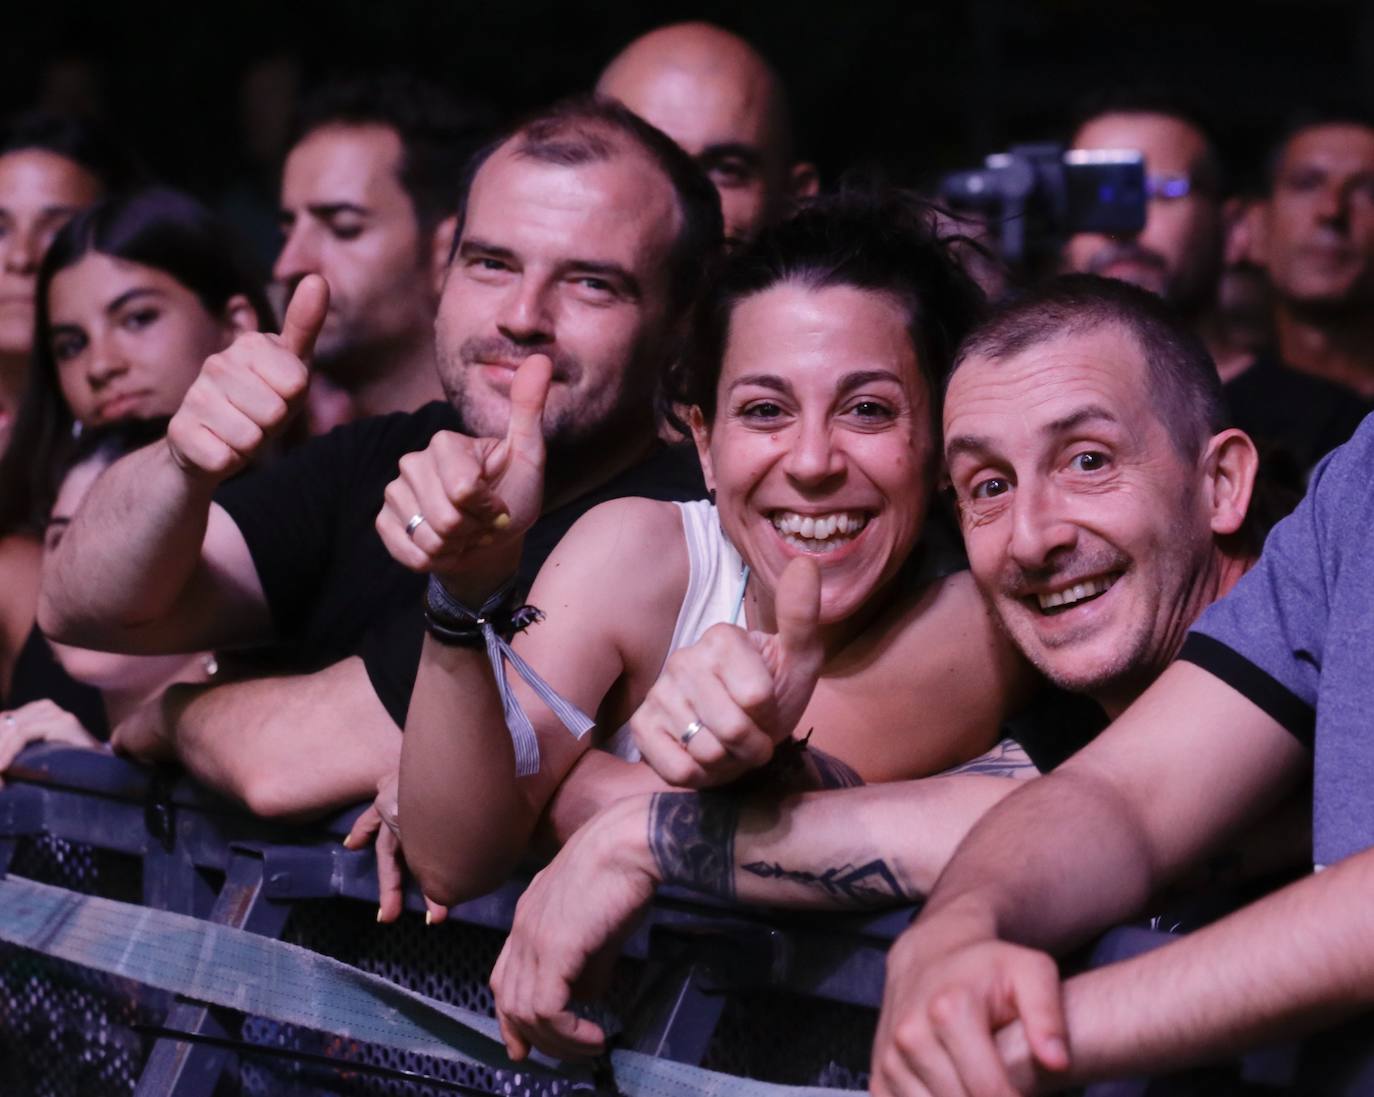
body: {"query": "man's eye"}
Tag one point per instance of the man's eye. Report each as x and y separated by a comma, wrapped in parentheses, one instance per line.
(485, 262)
(596, 285)
(1303, 180)
(761, 410)
(730, 173)
(1090, 461)
(345, 230)
(990, 488)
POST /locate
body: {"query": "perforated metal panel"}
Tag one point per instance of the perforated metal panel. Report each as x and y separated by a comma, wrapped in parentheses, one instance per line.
(66, 1031)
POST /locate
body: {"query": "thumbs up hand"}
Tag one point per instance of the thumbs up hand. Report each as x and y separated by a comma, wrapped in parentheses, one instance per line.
(720, 706)
(246, 393)
(461, 505)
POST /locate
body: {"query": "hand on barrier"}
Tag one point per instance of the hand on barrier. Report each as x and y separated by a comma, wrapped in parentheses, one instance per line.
(40, 722)
(943, 1007)
(567, 932)
(720, 706)
(381, 824)
(462, 501)
(247, 393)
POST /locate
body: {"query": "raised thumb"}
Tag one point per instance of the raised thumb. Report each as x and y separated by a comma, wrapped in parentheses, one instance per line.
(528, 391)
(798, 608)
(305, 314)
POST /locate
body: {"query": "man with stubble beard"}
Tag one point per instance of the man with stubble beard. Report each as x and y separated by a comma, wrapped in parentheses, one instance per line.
(581, 237)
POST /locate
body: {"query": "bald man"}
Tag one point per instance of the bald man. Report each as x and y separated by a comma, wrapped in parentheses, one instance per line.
(716, 96)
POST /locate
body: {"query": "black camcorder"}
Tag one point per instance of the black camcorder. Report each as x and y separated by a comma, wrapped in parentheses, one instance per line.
(1037, 195)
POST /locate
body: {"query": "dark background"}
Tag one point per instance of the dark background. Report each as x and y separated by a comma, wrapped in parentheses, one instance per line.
(915, 87)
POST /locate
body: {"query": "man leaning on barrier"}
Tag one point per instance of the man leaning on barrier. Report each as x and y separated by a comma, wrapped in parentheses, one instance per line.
(1104, 505)
(169, 553)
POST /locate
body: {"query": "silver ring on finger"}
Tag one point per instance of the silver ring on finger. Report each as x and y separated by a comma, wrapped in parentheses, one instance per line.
(416, 521)
(691, 732)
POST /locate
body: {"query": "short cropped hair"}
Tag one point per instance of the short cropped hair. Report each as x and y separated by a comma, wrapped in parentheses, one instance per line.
(438, 132)
(1307, 118)
(74, 139)
(587, 129)
(1184, 383)
(884, 240)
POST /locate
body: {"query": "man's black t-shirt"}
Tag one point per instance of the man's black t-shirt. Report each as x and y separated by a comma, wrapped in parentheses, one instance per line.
(1292, 416)
(332, 588)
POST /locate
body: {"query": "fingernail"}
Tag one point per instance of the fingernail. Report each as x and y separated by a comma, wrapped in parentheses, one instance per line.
(501, 521)
(429, 917)
(379, 914)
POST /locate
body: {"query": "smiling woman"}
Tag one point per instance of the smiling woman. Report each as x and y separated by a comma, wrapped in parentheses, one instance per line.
(704, 636)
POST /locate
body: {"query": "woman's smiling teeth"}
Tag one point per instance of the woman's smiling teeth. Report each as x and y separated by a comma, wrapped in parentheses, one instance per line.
(1079, 592)
(824, 533)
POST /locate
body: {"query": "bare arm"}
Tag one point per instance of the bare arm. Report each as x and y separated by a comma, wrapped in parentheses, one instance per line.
(1177, 774)
(1155, 792)
(1290, 963)
(149, 565)
(843, 849)
(286, 748)
(456, 731)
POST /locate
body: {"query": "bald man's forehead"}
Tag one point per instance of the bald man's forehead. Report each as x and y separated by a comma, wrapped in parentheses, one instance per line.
(703, 87)
(700, 110)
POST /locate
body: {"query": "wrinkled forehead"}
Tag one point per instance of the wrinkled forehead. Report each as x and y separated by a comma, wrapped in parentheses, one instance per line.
(1035, 390)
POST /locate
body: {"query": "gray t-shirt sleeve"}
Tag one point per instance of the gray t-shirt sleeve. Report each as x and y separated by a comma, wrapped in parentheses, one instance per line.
(1268, 637)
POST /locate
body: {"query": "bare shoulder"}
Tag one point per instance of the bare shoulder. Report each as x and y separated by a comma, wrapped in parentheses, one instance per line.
(623, 561)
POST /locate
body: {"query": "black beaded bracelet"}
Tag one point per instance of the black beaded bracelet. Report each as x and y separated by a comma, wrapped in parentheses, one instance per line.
(451, 622)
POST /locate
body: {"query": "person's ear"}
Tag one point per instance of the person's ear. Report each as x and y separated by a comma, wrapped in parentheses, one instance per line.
(804, 181)
(701, 435)
(1230, 464)
(239, 316)
(441, 246)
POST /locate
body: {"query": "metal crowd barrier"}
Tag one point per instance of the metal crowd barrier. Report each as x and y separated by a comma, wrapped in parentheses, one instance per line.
(783, 997)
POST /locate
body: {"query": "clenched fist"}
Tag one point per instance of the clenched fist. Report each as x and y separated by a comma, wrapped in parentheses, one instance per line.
(721, 705)
(462, 498)
(246, 393)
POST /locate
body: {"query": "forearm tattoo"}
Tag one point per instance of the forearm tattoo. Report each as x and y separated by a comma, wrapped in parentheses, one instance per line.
(692, 838)
(831, 772)
(1007, 759)
(866, 885)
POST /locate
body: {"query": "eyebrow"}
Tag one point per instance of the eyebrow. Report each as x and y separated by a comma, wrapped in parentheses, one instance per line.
(325, 210)
(1089, 414)
(848, 382)
(731, 149)
(47, 211)
(977, 446)
(470, 248)
(131, 295)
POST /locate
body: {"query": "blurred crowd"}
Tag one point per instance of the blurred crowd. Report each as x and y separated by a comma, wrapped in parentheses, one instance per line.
(607, 486)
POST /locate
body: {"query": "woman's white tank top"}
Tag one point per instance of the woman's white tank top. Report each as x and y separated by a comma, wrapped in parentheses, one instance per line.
(715, 593)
